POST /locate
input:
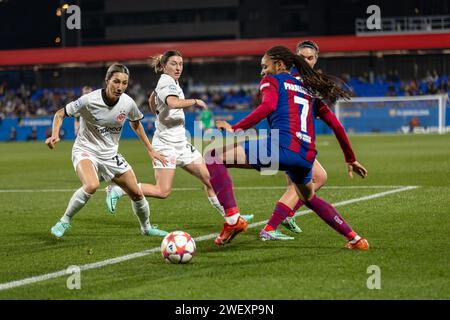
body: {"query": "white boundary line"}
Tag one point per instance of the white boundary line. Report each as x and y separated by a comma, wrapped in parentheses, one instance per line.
(200, 188)
(100, 264)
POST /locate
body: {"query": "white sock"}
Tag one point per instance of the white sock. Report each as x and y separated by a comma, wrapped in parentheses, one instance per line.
(232, 220)
(78, 200)
(216, 204)
(355, 239)
(142, 211)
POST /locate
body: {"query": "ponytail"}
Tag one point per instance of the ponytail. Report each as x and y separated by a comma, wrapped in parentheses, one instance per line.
(159, 61)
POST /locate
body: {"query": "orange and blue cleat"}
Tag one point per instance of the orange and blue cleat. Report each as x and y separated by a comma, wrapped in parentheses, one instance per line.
(361, 244)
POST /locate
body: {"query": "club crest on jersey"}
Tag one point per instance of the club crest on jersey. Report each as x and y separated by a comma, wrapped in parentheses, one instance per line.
(121, 117)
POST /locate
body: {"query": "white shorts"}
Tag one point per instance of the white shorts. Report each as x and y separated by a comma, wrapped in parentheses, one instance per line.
(106, 169)
(177, 154)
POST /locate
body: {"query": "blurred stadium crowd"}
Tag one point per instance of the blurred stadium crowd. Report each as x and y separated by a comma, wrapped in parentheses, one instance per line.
(31, 101)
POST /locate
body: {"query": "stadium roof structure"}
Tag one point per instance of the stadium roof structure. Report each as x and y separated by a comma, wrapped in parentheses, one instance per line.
(221, 48)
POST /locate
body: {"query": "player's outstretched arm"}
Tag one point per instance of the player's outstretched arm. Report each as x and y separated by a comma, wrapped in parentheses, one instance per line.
(56, 127)
(327, 116)
(140, 132)
(325, 113)
(269, 101)
(174, 102)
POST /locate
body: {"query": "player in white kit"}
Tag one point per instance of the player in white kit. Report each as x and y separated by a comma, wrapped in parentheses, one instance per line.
(170, 136)
(95, 154)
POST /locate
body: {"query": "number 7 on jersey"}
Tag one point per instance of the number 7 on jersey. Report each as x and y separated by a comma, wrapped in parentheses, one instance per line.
(304, 112)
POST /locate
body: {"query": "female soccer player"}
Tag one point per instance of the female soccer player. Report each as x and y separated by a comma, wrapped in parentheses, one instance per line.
(170, 137)
(95, 151)
(309, 50)
(286, 103)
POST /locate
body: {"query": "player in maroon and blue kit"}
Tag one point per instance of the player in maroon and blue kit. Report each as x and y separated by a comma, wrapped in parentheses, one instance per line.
(290, 201)
(286, 103)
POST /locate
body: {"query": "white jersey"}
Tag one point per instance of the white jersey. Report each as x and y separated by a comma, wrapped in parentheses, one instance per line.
(169, 122)
(100, 124)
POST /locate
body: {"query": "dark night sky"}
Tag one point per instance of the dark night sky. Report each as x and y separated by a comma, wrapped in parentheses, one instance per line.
(28, 23)
(34, 24)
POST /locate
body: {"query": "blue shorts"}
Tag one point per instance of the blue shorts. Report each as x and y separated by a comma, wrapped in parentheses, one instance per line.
(297, 168)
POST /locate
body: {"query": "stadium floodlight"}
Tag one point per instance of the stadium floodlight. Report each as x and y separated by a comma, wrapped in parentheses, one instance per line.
(409, 114)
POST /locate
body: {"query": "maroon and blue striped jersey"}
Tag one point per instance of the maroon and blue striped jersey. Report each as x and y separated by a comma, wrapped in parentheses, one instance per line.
(294, 116)
(287, 105)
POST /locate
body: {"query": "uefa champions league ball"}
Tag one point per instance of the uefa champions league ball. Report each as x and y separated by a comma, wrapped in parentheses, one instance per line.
(178, 247)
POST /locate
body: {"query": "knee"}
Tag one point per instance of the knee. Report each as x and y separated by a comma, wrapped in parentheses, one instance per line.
(91, 187)
(320, 179)
(164, 193)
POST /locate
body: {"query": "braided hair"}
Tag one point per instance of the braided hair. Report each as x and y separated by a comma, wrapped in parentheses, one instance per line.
(318, 84)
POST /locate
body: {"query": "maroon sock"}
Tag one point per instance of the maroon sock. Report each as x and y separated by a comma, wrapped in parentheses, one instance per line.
(329, 214)
(280, 213)
(222, 184)
(299, 203)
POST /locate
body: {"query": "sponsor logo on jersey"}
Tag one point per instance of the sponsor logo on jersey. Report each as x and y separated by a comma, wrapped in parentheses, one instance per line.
(113, 130)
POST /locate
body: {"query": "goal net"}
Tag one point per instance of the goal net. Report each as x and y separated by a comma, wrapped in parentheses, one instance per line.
(412, 114)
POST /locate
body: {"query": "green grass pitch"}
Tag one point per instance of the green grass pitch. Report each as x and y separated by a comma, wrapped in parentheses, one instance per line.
(409, 231)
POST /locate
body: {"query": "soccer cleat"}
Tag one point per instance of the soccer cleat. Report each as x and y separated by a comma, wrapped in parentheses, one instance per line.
(361, 244)
(112, 196)
(273, 235)
(247, 217)
(229, 232)
(59, 228)
(291, 225)
(154, 232)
